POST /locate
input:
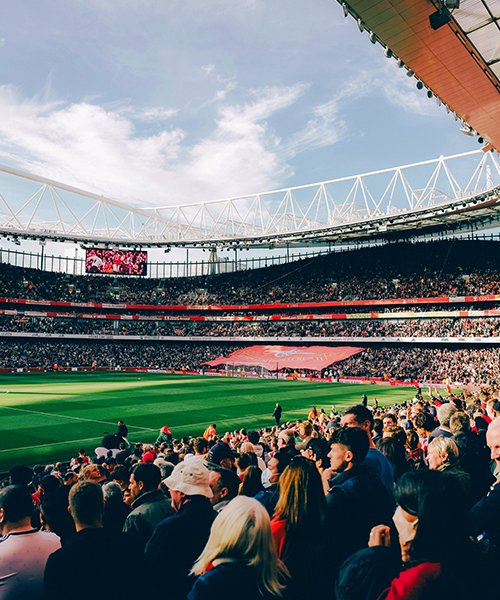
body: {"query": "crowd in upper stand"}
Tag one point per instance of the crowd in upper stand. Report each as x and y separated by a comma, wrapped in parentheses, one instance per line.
(451, 327)
(453, 268)
(371, 503)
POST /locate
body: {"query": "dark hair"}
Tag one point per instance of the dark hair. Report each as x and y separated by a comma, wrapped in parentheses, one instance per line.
(86, 502)
(355, 439)
(283, 457)
(20, 475)
(228, 479)
(251, 483)
(149, 474)
(378, 425)
(361, 414)
(423, 420)
(319, 446)
(247, 459)
(395, 452)
(439, 503)
(54, 508)
(200, 445)
(50, 483)
(16, 502)
(121, 474)
(253, 437)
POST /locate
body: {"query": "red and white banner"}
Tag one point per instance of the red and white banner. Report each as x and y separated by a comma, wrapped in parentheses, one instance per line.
(274, 358)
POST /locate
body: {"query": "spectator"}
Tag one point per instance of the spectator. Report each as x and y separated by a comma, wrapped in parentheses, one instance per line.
(357, 500)
(178, 540)
(276, 465)
(298, 527)
(444, 413)
(362, 417)
(149, 504)
(224, 484)
(442, 455)
(432, 542)
(23, 550)
(107, 548)
(115, 510)
(240, 554)
(222, 455)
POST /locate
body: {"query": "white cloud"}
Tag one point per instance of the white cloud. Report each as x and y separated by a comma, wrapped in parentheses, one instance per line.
(2, 42)
(401, 91)
(100, 150)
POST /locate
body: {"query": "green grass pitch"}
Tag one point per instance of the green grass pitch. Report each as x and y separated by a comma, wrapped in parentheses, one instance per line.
(46, 417)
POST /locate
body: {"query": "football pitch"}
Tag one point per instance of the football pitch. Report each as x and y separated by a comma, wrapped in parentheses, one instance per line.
(46, 417)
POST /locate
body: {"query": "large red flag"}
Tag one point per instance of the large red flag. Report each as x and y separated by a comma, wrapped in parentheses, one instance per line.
(274, 358)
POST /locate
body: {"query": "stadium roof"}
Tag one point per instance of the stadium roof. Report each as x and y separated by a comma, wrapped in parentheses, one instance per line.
(444, 193)
(458, 60)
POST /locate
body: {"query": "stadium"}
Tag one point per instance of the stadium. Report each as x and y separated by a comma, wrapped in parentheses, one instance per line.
(284, 320)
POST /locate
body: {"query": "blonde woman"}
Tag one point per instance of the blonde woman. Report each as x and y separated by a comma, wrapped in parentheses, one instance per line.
(240, 555)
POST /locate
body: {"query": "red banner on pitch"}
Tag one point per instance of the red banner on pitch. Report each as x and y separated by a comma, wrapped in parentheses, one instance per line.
(274, 358)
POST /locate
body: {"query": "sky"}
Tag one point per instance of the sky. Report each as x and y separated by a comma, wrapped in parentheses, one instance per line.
(164, 102)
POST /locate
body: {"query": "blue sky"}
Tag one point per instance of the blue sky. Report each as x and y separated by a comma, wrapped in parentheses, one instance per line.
(165, 102)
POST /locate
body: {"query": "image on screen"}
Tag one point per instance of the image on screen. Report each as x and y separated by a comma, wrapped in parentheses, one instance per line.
(116, 262)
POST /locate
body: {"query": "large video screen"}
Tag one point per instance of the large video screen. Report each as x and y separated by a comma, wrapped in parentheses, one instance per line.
(116, 262)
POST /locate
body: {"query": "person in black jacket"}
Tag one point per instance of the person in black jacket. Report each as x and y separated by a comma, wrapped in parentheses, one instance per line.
(277, 414)
(178, 540)
(357, 500)
(101, 552)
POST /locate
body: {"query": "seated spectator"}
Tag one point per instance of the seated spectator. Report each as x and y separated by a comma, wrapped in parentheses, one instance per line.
(149, 504)
(178, 540)
(23, 550)
(105, 549)
(239, 554)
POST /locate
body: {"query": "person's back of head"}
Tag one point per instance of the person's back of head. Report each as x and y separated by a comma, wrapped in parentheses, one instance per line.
(86, 504)
(444, 413)
(242, 533)
(55, 515)
(20, 475)
(147, 473)
(16, 505)
(460, 423)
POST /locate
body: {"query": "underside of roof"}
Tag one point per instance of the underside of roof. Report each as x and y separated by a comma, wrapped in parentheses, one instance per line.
(459, 61)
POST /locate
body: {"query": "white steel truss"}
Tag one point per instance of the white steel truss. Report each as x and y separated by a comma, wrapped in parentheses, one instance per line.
(441, 193)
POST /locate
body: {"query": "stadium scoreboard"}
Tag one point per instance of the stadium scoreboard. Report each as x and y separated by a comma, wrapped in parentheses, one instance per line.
(116, 262)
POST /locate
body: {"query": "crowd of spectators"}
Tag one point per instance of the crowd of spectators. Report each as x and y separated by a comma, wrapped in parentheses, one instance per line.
(374, 502)
(404, 270)
(435, 327)
(399, 362)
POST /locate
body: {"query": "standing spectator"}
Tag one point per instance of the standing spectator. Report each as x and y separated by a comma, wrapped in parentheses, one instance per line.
(105, 549)
(361, 417)
(149, 504)
(276, 465)
(357, 499)
(115, 510)
(298, 528)
(444, 413)
(224, 484)
(240, 554)
(178, 540)
(23, 550)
